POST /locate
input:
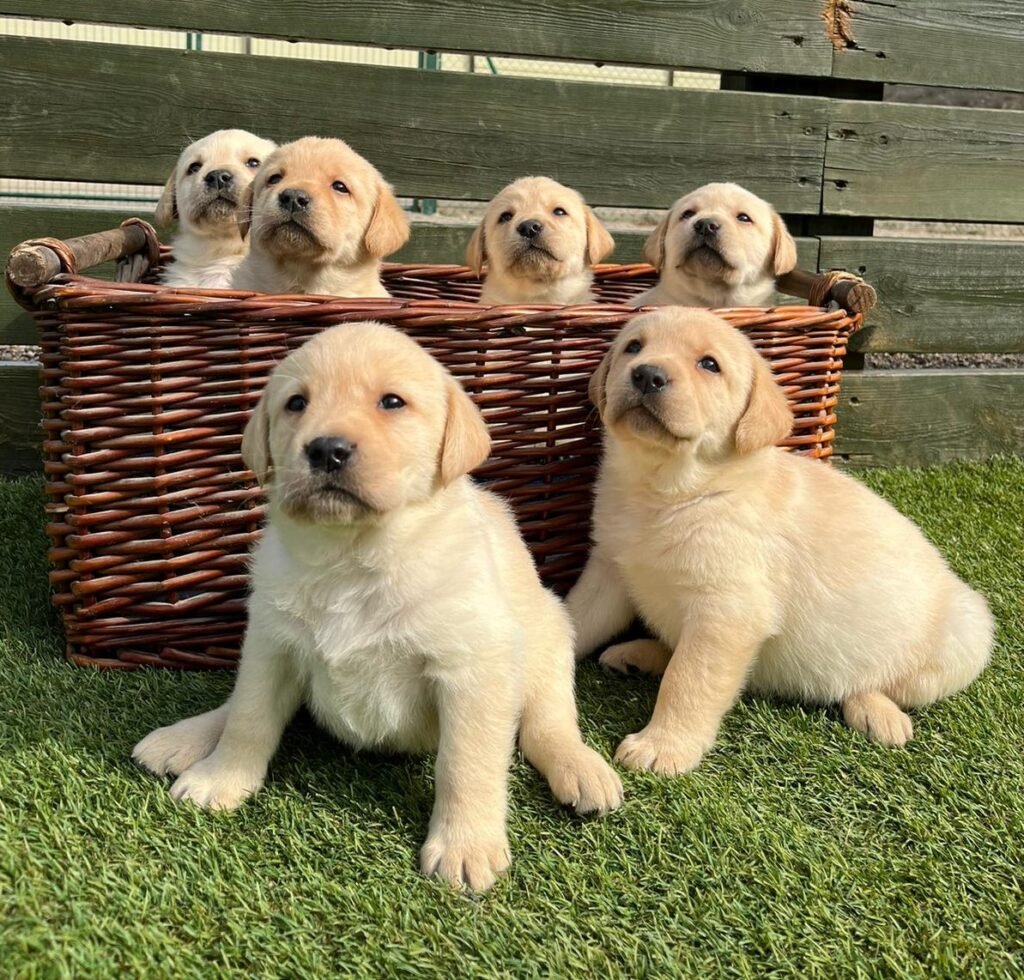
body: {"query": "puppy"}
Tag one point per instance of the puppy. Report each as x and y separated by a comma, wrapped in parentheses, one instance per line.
(202, 195)
(731, 551)
(396, 599)
(539, 240)
(718, 247)
(320, 218)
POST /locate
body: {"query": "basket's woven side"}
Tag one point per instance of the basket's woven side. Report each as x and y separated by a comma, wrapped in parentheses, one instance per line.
(146, 392)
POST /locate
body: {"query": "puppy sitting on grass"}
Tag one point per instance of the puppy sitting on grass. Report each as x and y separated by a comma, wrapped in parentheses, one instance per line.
(203, 194)
(755, 569)
(396, 599)
(539, 240)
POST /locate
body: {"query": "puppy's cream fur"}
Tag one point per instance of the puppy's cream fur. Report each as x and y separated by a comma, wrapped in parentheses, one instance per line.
(553, 265)
(209, 245)
(736, 265)
(755, 569)
(335, 244)
(396, 599)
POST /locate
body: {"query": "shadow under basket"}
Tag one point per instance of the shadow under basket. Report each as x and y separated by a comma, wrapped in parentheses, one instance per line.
(145, 392)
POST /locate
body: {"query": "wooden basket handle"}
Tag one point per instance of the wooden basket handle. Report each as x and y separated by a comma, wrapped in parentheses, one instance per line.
(850, 292)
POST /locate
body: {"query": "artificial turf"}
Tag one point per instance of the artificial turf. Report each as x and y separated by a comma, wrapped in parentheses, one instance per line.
(797, 848)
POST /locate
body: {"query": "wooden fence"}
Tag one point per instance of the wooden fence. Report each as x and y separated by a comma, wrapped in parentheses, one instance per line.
(800, 120)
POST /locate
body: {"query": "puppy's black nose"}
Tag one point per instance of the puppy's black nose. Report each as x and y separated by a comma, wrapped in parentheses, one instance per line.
(293, 200)
(648, 378)
(217, 180)
(329, 453)
(530, 229)
(706, 227)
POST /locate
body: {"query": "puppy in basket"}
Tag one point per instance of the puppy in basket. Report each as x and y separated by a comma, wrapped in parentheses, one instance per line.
(720, 246)
(396, 599)
(320, 219)
(202, 195)
(539, 240)
(755, 569)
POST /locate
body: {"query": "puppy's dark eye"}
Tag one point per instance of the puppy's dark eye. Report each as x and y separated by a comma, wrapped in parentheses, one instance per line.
(297, 403)
(709, 364)
(339, 186)
(252, 163)
(745, 218)
(194, 168)
(391, 402)
(560, 212)
(633, 347)
(274, 179)
(687, 214)
(504, 216)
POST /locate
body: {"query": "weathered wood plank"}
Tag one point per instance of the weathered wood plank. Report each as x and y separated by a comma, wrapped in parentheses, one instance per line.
(904, 161)
(957, 43)
(937, 296)
(921, 418)
(433, 134)
(20, 434)
(746, 35)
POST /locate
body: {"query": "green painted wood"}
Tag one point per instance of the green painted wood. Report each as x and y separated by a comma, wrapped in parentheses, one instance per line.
(921, 418)
(905, 161)
(746, 35)
(20, 434)
(110, 112)
(962, 296)
(957, 43)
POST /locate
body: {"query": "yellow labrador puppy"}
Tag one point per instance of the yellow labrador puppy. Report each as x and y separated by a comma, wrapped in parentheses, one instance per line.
(320, 218)
(203, 195)
(720, 246)
(740, 556)
(395, 598)
(539, 240)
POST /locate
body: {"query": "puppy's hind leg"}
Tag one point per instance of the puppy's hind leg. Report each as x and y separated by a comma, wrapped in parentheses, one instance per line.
(171, 750)
(637, 657)
(873, 714)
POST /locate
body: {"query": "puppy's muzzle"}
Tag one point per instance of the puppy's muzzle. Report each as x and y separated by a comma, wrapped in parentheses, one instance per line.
(529, 229)
(293, 201)
(329, 454)
(219, 180)
(650, 379)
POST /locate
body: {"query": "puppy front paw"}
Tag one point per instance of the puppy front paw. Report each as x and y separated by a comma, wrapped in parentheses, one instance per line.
(470, 860)
(657, 751)
(212, 786)
(586, 782)
(172, 750)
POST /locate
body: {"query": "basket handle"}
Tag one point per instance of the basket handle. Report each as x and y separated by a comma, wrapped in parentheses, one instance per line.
(34, 263)
(836, 286)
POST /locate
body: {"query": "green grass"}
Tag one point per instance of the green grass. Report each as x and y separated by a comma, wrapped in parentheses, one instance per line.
(797, 848)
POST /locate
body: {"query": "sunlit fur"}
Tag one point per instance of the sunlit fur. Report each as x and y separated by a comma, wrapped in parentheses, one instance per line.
(209, 245)
(409, 618)
(755, 569)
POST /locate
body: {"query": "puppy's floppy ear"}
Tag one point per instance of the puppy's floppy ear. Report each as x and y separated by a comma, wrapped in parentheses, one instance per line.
(166, 209)
(767, 419)
(654, 247)
(784, 248)
(388, 229)
(256, 440)
(599, 242)
(466, 443)
(596, 390)
(244, 213)
(476, 253)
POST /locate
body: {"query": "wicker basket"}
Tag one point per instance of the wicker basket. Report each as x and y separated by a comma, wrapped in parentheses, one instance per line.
(145, 392)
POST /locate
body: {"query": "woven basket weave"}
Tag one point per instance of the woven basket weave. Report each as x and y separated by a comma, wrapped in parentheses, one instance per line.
(146, 390)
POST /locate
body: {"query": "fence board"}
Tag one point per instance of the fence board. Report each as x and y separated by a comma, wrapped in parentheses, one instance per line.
(433, 134)
(937, 296)
(20, 434)
(900, 161)
(743, 35)
(921, 418)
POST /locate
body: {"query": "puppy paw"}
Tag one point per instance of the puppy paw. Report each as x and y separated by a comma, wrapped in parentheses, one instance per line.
(636, 656)
(659, 752)
(172, 750)
(212, 786)
(879, 718)
(585, 782)
(472, 861)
